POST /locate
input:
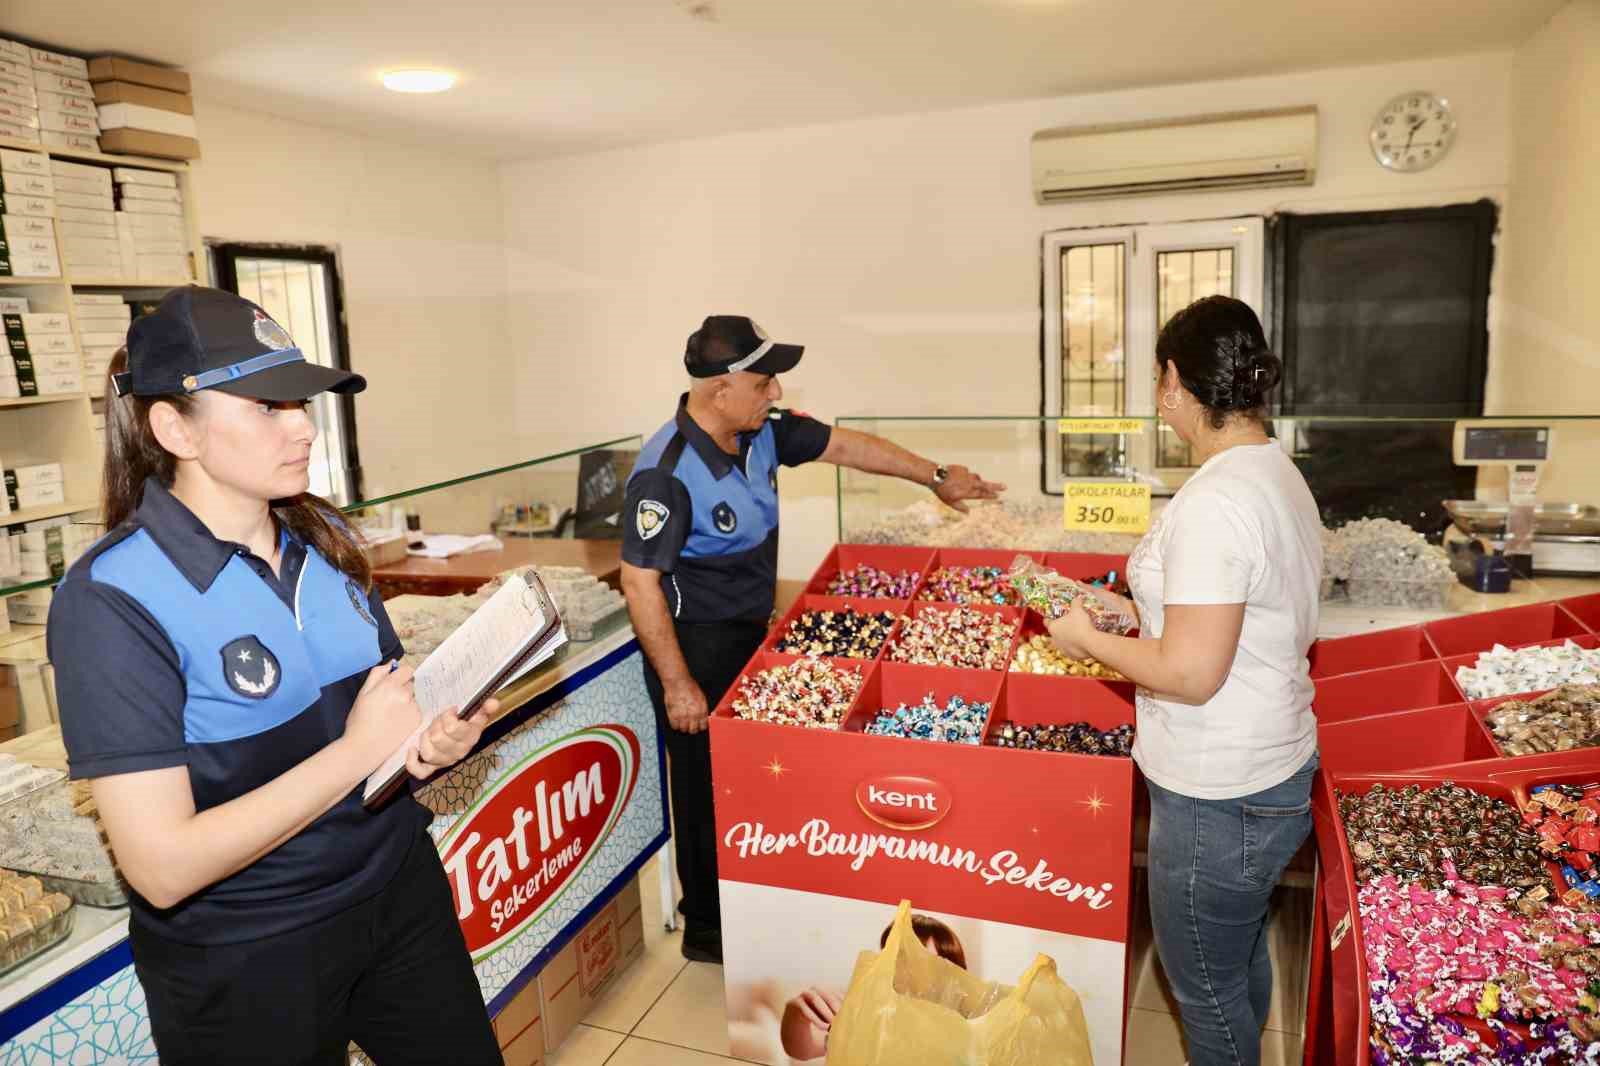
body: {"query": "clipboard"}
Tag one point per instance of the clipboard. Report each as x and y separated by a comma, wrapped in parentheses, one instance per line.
(514, 631)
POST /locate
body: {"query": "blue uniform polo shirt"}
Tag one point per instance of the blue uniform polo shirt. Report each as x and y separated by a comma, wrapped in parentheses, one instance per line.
(708, 520)
(174, 648)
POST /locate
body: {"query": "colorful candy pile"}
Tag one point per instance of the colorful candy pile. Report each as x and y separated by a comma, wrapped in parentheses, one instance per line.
(1504, 672)
(1469, 958)
(1411, 832)
(1561, 720)
(1079, 738)
(962, 637)
(1052, 594)
(957, 722)
(810, 693)
(1566, 820)
(1038, 655)
(871, 583)
(1114, 581)
(840, 634)
(968, 585)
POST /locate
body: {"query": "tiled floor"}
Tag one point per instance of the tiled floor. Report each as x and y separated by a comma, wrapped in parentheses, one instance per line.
(667, 1012)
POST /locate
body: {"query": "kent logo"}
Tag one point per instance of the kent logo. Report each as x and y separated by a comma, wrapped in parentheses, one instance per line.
(904, 802)
(521, 845)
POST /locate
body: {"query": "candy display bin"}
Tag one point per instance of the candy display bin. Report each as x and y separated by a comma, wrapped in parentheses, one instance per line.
(893, 684)
(1514, 627)
(1393, 688)
(1431, 736)
(1371, 651)
(1585, 609)
(895, 560)
(810, 602)
(1001, 558)
(1040, 699)
(1588, 642)
(920, 609)
(1033, 625)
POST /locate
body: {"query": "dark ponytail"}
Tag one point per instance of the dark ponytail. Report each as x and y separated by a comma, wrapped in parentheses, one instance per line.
(1222, 357)
(133, 454)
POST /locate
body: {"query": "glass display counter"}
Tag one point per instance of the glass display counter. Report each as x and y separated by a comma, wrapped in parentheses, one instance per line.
(80, 1000)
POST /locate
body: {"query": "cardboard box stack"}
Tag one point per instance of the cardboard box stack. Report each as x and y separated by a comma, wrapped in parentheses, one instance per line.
(144, 110)
(103, 321)
(150, 225)
(66, 101)
(19, 100)
(86, 209)
(28, 246)
(44, 354)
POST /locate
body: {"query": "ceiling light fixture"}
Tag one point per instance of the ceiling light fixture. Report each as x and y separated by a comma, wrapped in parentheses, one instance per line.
(418, 81)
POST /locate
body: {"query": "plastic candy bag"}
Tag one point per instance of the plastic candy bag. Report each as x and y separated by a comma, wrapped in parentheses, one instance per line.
(907, 1006)
(1051, 594)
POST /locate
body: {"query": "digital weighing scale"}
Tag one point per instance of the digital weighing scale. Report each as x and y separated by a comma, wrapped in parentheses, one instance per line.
(1537, 538)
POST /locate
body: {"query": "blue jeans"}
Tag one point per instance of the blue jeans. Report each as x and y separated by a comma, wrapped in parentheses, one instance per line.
(1213, 865)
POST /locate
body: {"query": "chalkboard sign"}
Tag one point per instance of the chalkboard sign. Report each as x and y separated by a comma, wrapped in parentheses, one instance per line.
(602, 477)
(1384, 312)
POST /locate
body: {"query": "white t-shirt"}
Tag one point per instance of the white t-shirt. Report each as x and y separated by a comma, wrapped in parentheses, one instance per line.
(1244, 529)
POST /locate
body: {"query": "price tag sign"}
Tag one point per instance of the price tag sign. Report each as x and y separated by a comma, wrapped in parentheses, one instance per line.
(1106, 507)
(1071, 427)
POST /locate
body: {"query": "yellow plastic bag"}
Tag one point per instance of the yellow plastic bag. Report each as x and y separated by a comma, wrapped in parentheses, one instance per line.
(906, 1006)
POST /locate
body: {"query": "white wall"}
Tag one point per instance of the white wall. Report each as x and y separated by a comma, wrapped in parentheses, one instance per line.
(1548, 317)
(904, 252)
(418, 233)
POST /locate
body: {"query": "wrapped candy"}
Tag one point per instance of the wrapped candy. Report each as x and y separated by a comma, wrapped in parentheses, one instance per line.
(809, 693)
(872, 583)
(1504, 672)
(1561, 720)
(956, 722)
(1079, 738)
(844, 634)
(1052, 594)
(1038, 655)
(961, 636)
(1430, 835)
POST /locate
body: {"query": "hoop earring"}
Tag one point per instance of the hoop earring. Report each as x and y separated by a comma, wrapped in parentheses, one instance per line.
(1172, 396)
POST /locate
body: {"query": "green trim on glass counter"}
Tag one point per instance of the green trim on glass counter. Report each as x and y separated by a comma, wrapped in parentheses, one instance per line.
(27, 586)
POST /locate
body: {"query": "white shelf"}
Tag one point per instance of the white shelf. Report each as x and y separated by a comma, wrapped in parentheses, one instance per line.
(123, 283)
(8, 279)
(19, 633)
(35, 401)
(140, 161)
(54, 510)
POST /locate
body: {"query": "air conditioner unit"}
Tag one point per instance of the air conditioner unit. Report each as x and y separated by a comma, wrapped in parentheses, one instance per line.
(1237, 151)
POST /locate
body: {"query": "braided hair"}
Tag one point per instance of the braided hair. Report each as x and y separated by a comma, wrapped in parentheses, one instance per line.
(1222, 357)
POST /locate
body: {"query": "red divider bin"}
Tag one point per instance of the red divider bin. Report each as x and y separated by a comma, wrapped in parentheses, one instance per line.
(833, 603)
(1011, 614)
(1036, 699)
(1370, 651)
(1033, 625)
(885, 557)
(1394, 688)
(969, 557)
(1585, 609)
(1470, 660)
(1402, 740)
(765, 660)
(1514, 627)
(892, 684)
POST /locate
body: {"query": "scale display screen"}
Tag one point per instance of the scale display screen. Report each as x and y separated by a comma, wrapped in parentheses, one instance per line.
(1506, 444)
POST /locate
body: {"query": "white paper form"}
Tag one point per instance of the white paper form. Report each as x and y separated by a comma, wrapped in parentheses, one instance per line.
(474, 660)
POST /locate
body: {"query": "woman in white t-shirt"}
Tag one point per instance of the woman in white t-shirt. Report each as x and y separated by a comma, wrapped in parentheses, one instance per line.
(1225, 586)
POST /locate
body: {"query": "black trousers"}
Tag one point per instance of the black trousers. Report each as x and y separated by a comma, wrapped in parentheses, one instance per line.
(392, 974)
(715, 653)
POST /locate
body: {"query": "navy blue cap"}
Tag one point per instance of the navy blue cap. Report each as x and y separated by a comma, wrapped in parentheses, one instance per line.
(725, 344)
(200, 338)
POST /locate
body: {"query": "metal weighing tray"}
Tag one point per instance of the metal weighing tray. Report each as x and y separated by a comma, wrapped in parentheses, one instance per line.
(1483, 517)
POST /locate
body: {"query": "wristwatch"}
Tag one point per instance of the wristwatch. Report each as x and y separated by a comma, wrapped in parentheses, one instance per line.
(941, 474)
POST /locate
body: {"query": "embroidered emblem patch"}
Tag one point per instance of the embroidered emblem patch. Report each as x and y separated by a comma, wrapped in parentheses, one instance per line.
(724, 518)
(271, 334)
(359, 602)
(651, 518)
(250, 669)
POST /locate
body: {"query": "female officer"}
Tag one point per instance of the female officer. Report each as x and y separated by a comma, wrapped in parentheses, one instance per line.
(227, 680)
(1226, 586)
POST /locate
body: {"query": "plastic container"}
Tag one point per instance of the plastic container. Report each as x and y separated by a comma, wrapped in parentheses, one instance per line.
(1394, 688)
(1515, 627)
(849, 556)
(36, 943)
(1404, 740)
(1387, 592)
(89, 893)
(1370, 651)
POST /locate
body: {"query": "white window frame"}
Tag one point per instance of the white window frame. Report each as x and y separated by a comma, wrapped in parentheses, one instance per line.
(1142, 246)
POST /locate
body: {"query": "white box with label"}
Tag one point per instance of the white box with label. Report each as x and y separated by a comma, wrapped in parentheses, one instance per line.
(151, 207)
(77, 186)
(95, 202)
(104, 231)
(44, 495)
(135, 176)
(20, 133)
(77, 105)
(29, 477)
(16, 52)
(19, 226)
(44, 59)
(56, 366)
(19, 93)
(69, 122)
(158, 226)
(24, 162)
(151, 192)
(19, 115)
(24, 183)
(59, 384)
(52, 82)
(78, 142)
(65, 168)
(86, 214)
(40, 323)
(35, 266)
(35, 206)
(26, 246)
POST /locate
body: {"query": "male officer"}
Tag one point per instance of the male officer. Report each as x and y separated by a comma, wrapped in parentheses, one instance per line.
(700, 559)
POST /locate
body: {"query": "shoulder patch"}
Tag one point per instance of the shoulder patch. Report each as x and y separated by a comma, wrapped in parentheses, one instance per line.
(250, 669)
(359, 602)
(650, 518)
